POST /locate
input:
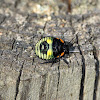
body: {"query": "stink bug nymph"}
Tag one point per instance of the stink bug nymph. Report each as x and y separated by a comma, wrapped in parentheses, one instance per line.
(51, 48)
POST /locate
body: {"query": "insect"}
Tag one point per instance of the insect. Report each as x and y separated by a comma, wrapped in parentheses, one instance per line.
(51, 49)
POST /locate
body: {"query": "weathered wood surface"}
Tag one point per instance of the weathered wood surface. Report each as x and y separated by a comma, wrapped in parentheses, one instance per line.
(22, 23)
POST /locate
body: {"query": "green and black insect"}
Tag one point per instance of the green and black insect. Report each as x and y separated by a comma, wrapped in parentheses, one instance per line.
(51, 48)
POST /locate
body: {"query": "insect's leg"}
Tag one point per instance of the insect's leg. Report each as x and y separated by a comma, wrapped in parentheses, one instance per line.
(48, 62)
(51, 61)
(52, 64)
(45, 62)
(66, 61)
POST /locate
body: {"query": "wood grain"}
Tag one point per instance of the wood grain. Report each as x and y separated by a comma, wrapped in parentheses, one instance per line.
(22, 24)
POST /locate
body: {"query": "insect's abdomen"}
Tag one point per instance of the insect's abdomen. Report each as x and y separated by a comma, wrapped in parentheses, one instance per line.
(43, 48)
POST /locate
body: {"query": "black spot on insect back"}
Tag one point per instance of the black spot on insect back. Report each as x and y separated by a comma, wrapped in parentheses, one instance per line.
(44, 46)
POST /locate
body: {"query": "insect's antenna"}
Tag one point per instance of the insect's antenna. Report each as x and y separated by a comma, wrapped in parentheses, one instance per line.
(72, 50)
(72, 41)
(67, 45)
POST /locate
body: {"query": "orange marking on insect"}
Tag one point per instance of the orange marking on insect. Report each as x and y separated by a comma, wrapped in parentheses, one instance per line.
(61, 40)
(57, 56)
(62, 54)
(57, 38)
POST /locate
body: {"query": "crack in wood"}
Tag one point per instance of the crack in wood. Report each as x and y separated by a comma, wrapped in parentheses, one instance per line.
(13, 42)
(33, 61)
(92, 38)
(83, 72)
(97, 73)
(1, 52)
(16, 3)
(3, 19)
(18, 81)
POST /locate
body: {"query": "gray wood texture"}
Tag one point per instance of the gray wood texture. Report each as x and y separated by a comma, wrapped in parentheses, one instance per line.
(23, 23)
